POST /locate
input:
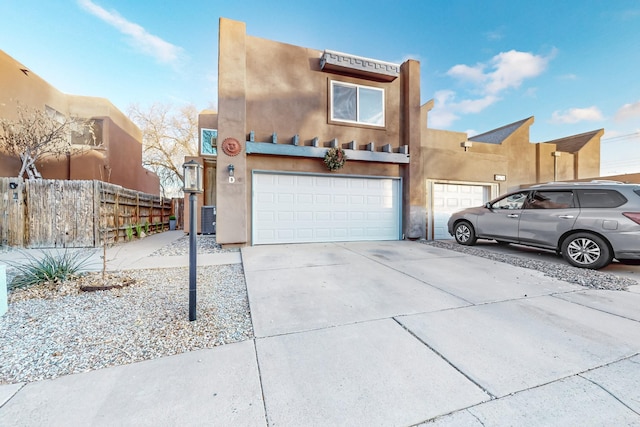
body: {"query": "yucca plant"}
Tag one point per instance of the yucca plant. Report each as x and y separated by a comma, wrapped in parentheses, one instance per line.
(53, 267)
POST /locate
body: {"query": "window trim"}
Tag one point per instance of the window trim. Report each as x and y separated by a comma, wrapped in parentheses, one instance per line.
(332, 84)
(202, 142)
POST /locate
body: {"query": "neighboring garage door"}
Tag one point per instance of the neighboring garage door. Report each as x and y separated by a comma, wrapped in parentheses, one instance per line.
(450, 198)
(297, 208)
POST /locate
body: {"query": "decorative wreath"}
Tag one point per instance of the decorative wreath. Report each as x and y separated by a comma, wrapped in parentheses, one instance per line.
(335, 158)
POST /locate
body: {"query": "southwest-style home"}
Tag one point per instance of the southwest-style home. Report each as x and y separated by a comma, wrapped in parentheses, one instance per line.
(116, 156)
(282, 107)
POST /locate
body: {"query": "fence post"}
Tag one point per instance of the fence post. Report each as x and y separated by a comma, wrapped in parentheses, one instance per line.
(3, 289)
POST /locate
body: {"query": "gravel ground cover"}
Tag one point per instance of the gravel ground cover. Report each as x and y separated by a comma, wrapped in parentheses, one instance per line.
(205, 244)
(588, 278)
(53, 330)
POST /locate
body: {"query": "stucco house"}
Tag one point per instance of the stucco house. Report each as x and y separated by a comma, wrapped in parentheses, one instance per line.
(116, 156)
(282, 107)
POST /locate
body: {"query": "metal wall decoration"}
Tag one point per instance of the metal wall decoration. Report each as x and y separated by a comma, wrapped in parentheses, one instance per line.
(231, 147)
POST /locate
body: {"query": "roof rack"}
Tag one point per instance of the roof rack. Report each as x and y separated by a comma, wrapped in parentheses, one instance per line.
(593, 181)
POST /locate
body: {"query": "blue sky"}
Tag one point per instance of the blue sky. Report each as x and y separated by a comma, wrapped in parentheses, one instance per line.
(574, 65)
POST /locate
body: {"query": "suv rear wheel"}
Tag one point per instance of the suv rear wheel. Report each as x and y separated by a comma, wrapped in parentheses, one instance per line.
(586, 250)
(464, 233)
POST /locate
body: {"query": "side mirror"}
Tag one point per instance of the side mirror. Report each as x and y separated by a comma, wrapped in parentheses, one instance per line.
(487, 205)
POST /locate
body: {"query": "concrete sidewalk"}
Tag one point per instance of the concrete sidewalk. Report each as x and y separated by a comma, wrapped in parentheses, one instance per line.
(132, 255)
(378, 334)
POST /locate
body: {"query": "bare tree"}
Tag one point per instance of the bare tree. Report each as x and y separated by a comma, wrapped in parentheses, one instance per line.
(36, 134)
(168, 135)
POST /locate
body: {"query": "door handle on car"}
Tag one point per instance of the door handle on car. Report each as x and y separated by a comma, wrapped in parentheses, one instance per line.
(566, 216)
(512, 216)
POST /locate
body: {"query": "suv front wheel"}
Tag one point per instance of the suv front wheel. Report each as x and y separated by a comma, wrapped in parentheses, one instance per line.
(586, 250)
(464, 233)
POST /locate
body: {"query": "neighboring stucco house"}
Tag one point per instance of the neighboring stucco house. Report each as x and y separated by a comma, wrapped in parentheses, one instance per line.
(281, 107)
(117, 154)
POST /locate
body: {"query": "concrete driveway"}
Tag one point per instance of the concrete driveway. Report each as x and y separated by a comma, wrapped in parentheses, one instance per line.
(398, 333)
(378, 334)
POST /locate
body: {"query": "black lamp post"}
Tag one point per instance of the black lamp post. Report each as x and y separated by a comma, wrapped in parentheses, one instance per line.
(192, 185)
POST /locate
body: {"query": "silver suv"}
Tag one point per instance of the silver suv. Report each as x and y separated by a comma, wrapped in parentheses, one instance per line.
(589, 223)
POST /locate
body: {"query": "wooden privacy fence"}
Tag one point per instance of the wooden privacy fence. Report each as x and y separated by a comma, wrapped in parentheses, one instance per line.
(76, 214)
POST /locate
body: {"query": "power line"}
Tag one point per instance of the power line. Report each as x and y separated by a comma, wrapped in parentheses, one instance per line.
(622, 137)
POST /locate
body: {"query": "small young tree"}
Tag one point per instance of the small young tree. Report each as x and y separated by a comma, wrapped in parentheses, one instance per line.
(37, 134)
(168, 135)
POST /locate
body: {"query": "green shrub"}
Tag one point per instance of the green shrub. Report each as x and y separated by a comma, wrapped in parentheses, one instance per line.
(51, 267)
(129, 232)
(138, 230)
(146, 227)
(173, 217)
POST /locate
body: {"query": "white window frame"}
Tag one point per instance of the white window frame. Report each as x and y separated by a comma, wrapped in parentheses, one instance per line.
(358, 87)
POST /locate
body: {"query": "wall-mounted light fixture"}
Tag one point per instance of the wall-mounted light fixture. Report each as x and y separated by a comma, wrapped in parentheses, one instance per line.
(13, 185)
(466, 145)
(231, 168)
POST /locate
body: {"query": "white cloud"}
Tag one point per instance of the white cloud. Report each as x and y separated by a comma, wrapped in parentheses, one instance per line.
(568, 77)
(628, 111)
(472, 106)
(442, 115)
(512, 68)
(495, 34)
(464, 72)
(446, 109)
(504, 71)
(161, 50)
(575, 115)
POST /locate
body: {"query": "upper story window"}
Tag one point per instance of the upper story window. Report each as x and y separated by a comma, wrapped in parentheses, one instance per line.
(209, 142)
(357, 104)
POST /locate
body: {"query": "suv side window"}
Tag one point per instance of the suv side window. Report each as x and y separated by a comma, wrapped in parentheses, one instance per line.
(597, 198)
(550, 200)
(512, 201)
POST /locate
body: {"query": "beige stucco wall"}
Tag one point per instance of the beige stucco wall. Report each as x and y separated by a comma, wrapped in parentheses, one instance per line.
(287, 93)
(269, 87)
(118, 161)
(446, 160)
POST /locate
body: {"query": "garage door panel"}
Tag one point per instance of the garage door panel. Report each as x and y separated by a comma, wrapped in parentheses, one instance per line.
(285, 216)
(450, 198)
(266, 216)
(323, 216)
(305, 233)
(303, 208)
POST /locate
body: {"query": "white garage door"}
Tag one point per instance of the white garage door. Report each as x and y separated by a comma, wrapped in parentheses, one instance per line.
(450, 198)
(291, 208)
